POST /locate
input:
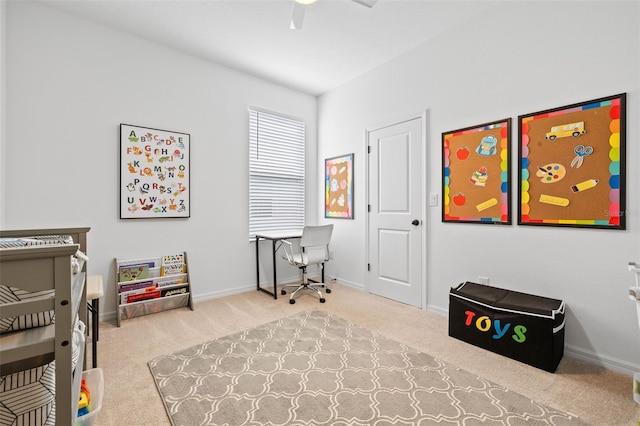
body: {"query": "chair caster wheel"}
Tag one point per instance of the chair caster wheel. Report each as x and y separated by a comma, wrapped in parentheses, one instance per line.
(327, 290)
(322, 300)
(292, 301)
(282, 292)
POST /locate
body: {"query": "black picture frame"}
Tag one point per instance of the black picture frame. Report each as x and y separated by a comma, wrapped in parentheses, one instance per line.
(154, 173)
(572, 165)
(476, 174)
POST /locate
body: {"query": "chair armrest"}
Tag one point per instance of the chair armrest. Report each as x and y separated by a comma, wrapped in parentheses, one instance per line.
(288, 250)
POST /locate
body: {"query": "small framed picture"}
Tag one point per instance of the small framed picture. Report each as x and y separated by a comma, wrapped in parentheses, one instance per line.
(338, 187)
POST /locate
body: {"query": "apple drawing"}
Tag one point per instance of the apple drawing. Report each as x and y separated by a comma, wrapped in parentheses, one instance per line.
(462, 153)
(459, 199)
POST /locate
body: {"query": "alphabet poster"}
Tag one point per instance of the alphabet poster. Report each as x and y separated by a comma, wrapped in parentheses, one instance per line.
(154, 173)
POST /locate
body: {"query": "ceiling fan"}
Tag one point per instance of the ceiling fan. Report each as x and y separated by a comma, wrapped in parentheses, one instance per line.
(299, 7)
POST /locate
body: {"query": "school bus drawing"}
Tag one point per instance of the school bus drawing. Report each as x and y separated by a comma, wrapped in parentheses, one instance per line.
(565, 130)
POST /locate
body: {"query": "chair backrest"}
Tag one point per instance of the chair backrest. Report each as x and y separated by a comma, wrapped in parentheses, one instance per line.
(314, 243)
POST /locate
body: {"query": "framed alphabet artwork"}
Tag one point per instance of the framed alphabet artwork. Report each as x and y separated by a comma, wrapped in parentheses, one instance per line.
(572, 165)
(154, 173)
(475, 174)
(338, 187)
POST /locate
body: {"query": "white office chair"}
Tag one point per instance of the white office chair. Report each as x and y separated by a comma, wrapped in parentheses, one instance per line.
(314, 250)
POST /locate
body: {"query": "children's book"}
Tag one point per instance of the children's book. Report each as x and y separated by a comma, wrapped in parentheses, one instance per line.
(143, 296)
(174, 291)
(169, 283)
(172, 264)
(133, 272)
(124, 297)
(136, 286)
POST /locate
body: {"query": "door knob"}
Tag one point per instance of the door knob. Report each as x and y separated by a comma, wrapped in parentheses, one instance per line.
(415, 222)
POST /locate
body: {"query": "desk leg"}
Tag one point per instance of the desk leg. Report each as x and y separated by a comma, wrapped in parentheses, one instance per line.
(258, 263)
(275, 282)
(273, 246)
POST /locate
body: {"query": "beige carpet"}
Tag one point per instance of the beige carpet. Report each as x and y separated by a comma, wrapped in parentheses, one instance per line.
(314, 368)
(595, 395)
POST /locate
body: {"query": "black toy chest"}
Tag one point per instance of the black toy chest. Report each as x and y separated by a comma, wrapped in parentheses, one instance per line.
(521, 326)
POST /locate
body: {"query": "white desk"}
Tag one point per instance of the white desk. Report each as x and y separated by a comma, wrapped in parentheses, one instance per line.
(276, 238)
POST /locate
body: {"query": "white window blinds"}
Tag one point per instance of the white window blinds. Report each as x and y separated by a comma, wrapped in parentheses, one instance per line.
(276, 172)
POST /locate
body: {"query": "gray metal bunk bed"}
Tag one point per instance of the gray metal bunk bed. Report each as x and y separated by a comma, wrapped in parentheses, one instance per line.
(57, 277)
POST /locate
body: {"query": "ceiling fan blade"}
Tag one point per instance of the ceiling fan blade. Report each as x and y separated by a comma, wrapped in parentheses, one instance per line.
(368, 3)
(297, 16)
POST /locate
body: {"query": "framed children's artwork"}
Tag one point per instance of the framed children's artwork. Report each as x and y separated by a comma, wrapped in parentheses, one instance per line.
(572, 165)
(338, 187)
(475, 174)
(154, 173)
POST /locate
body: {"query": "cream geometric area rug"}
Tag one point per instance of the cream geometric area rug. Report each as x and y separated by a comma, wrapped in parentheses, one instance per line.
(314, 368)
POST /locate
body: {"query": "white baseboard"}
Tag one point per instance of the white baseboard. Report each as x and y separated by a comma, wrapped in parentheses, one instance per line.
(607, 362)
(591, 357)
(330, 279)
(222, 293)
(437, 310)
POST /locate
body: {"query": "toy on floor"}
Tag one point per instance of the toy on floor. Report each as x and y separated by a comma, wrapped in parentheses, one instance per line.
(85, 399)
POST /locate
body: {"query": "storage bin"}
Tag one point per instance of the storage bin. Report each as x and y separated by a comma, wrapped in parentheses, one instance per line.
(95, 382)
(521, 326)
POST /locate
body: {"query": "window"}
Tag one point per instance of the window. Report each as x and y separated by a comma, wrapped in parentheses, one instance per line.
(276, 172)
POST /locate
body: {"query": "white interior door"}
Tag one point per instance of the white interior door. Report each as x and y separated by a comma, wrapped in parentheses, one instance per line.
(396, 212)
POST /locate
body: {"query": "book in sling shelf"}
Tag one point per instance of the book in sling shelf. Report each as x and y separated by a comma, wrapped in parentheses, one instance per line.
(172, 264)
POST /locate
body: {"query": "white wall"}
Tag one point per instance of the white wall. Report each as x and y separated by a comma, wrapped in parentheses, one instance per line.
(519, 58)
(3, 103)
(70, 83)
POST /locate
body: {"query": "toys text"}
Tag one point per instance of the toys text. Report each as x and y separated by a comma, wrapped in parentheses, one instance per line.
(483, 323)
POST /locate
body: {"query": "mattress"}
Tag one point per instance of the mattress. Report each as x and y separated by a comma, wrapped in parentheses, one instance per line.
(39, 240)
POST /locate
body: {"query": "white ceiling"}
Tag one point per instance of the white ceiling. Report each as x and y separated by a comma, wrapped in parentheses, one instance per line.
(340, 39)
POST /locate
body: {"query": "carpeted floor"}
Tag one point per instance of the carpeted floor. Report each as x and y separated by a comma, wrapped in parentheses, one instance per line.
(593, 394)
(314, 368)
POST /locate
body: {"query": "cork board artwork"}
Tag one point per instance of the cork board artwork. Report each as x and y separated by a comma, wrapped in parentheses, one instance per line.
(572, 165)
(476, 169)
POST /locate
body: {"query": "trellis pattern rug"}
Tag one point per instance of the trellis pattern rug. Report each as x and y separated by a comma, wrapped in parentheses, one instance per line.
(314, 368)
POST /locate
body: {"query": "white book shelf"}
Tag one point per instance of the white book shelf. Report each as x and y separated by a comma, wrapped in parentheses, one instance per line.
(142, 288)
